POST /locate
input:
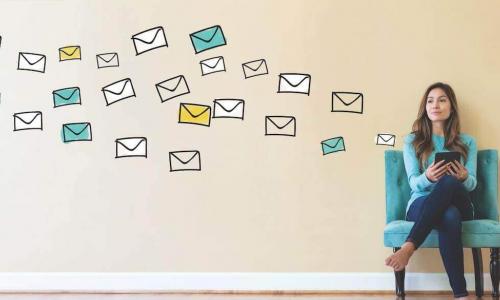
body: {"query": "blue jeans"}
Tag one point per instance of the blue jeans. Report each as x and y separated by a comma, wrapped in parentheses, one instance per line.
(444, 209)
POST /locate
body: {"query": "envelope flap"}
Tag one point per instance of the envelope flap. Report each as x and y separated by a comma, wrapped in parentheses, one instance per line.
(118, 87)
(27, 117)
(131, 143)
(386, 137)
(294, 79)
(228, 104)
(66, 94)
(148, 36)
(76, 128)
(348, 98)
(195, 110)
(281, 120)
(70, 50)
(211, 62)
(254, 65)
(171, 84)
(184, 156)
(107, 57)
(32, 58)
(332, 143)
(206, 35)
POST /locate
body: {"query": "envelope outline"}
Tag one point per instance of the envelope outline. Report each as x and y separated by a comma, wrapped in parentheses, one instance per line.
(206, 64)
(247, 65)
(181, 78)
(194, 116)
(203, 43)
(331, 148)
(63, 51)
(76, 133)
(23, 55)
(291, 120)
(238, 103)
(19, 117)
(387, 140)
(174, 154)
(282, 76)
(107, 63)
(158, 30)
(335, 95)
(140, 139)
(106, 89)
(56, 94)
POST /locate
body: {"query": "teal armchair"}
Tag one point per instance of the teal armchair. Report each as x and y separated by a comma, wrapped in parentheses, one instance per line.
(482, 232)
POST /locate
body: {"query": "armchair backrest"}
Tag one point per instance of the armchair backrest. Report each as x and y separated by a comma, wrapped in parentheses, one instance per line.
(484, 197)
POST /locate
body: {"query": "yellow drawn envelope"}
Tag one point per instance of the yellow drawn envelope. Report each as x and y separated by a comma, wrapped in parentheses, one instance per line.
(194, 114)
(70, 53)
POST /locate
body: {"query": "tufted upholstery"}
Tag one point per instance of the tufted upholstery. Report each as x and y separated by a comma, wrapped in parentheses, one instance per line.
(483, 231)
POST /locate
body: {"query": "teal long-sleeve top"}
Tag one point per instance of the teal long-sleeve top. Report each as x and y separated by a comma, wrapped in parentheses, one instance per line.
(419, 183)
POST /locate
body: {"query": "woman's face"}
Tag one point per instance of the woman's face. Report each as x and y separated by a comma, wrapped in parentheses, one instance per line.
(438, 105)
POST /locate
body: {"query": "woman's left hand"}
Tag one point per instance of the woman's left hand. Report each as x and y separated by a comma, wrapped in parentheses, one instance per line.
(457, 170)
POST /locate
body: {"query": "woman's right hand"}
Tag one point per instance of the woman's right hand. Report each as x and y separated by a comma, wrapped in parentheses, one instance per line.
(435, 171)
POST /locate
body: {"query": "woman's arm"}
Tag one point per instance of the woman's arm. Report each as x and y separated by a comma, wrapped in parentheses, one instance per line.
(417, 180)
(471, 165)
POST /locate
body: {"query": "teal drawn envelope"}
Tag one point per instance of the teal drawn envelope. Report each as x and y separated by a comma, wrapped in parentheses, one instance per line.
(207, 38)
(75, 132)
(67, 96)
(333, 145)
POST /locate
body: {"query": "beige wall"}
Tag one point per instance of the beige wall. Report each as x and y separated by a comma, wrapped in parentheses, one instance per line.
(268, 204)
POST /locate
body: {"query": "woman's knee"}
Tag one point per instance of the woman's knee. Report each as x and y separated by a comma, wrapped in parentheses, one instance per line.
(449, 180)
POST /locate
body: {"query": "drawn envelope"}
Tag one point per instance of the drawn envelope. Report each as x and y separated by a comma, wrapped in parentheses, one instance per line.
(118, 91)
(294, 83)
(67, 96)
(172, 87)
(131, 147)
(149, 39)
(28, 120)
(194, 114)
(212, 65)
(107, 60)
(76, 132)
(70, 53)
(347, 102)
(386, 139)
(207, 38)
(31, 62)
(255, 68)
(185, 160)
(335, 144)
(229, 108)
(281, 125)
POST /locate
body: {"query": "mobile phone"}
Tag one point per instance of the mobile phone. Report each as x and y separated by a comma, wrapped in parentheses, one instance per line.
(447, 157)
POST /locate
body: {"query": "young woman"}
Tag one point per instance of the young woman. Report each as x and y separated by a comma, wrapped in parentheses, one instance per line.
(439, 191)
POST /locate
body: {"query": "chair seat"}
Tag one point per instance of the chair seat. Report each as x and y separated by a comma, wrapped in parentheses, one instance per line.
(475, 234)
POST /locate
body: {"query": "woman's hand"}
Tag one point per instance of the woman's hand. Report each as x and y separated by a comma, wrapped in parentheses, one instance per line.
(457, 170)
(435, 171)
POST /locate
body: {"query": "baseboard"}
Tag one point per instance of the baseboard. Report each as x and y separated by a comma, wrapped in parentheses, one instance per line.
(192, 282)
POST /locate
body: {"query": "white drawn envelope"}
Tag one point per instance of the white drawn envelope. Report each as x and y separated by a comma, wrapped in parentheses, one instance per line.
(347, 102)
(31, 62)
(119, 90)
(185, 160)
(172, 87)
(294, 83)
(107, 60)
(212, 65)
(28, 120)
(131, 147)
(229, 108)
(149, 39)
(386, 139)
(255, 68)
(281, 125)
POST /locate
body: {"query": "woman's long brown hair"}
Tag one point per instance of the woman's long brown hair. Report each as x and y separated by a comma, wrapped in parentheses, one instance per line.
(422, 128)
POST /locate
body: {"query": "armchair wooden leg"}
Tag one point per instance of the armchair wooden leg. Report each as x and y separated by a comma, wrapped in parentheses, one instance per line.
(478, 271)
(400, 279)
(495, 271)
